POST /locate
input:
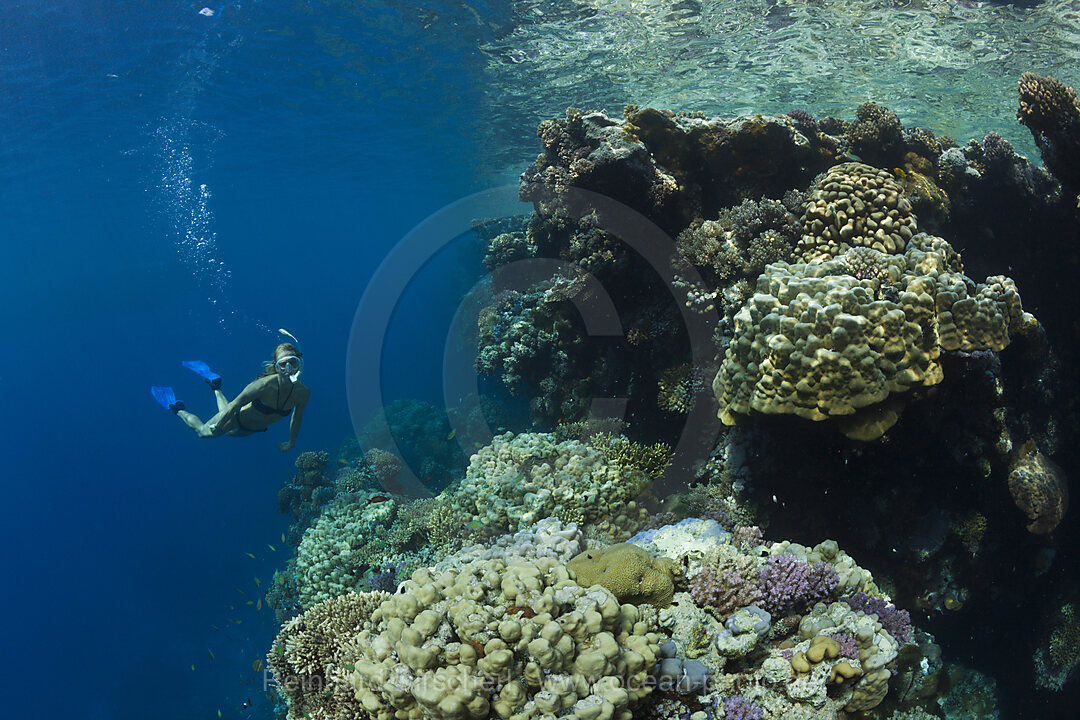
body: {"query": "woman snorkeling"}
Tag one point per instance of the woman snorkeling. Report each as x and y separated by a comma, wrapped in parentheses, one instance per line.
(270, 397)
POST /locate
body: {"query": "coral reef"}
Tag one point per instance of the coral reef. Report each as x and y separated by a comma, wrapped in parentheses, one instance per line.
(875, 318)
(505, 631)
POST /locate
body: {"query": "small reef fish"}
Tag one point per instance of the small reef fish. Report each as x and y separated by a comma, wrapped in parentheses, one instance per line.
(257, 666)
(237, 622)
(272, 548)
(258, 582)
(219, 713)
(282, 537)
(249, 602)
(211, 654)
(451, 435)
(241, 591)
(377, 499)
(251, 555)
(475, 524)
(258, 605)
(215, 627)
(192, 667)
(343, 462)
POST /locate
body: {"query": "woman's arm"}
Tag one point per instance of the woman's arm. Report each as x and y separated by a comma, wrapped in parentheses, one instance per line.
(294, 423)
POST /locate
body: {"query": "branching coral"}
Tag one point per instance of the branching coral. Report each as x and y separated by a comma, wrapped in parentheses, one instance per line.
(741, 241)
(652, 460)
(1051, 111)
(309, 660)
(896, 622)
(726, 582)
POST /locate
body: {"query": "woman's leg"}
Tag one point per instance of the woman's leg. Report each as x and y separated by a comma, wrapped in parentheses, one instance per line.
(192, 421)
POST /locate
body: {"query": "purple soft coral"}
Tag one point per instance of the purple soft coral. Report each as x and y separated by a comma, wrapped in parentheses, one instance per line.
(895, 621)
(727, 593)
(788, 583)
(739, 708)
(849, 648)
(804, 121)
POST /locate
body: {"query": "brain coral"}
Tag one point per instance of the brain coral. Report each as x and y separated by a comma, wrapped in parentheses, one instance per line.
(855, 205)
(632, 574)
(818, 342)
(1039, 489)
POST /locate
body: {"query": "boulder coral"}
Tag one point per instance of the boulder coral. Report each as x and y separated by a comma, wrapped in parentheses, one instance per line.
(1038, 488)
(818, 342)
(855, 205)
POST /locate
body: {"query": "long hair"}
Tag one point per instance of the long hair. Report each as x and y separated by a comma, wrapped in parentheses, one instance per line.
(282, 349)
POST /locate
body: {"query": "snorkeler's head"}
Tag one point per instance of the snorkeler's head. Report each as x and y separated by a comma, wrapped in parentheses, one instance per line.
(287, 362)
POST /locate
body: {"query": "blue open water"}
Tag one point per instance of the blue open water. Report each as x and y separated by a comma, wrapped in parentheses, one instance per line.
(174, 187)
(178, 186)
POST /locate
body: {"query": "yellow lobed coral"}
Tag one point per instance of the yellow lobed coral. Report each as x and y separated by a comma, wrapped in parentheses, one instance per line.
(818, 342)
(855, 205)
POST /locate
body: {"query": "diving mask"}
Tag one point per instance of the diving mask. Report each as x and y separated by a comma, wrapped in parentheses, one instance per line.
(289, 365)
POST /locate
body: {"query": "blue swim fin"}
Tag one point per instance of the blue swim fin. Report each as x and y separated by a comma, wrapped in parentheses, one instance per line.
(166, 398)
(203, 370)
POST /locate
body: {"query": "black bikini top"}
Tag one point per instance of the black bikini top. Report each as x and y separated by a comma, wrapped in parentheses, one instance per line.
(267, 410)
